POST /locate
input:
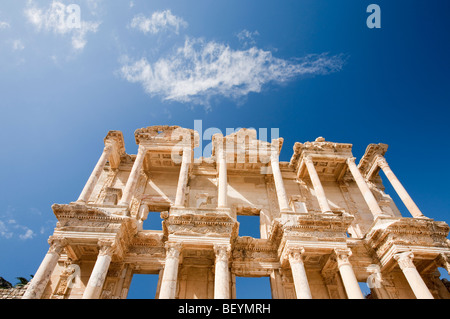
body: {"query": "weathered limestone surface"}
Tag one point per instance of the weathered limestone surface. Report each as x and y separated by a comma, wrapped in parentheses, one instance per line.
(326, 223)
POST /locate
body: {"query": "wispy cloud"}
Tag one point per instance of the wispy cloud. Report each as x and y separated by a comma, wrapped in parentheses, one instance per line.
(247, 38)
(159, 21)
(17, 45)
(10, 227)
(199, 70)
(4, 25)
(58, 18)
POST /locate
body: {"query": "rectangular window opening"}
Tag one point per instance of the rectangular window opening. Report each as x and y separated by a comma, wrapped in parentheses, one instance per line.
(143, 286)
(153, 221)
(249, 225)
(253, 288)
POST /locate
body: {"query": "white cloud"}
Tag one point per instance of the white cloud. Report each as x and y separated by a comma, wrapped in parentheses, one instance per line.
(4, 25)
(159, 21)
(200, 70)
(10, 227)
(17, 45)
(28, 234)
(62, 19)
(4, 230)
(247, 38)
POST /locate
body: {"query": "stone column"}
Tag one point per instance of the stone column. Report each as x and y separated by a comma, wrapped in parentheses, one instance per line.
(301, 284)
(401, 191)
(223, 179)
(444, 261)
(94, 287)
(418, 286)
(364, 188)
(133, 178)
(92, 181)
(169, 280)
(222, 272)
(278, 179)
(183, 177)
(348, 276)
(318, 189)
(42, 276)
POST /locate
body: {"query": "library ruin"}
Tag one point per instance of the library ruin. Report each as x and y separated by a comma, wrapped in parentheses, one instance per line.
(326, 223)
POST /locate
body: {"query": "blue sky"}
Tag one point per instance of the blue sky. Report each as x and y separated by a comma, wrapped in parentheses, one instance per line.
(310, 68)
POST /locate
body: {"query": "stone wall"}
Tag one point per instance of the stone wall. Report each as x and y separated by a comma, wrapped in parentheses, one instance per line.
(13, 293)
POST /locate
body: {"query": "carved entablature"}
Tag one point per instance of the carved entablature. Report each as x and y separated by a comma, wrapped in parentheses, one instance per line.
(329, 158)
(253, 249)
(200, 222)
(367, 164)
(425, 237)
(254, 257)
(165, 135)
(148, 244)
(75, 217)
(318, 227)
(83, 226)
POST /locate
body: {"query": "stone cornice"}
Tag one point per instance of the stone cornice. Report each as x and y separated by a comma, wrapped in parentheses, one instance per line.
(369, 157)
(165, 134)
(317, 148)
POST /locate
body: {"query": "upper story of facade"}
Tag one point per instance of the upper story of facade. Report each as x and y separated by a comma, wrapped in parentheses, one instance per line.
(243, 176)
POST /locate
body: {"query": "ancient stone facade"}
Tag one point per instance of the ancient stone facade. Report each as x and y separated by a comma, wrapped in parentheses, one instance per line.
(326, 223)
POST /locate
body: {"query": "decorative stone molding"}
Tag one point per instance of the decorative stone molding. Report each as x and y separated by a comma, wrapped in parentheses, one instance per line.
(342, 256)
(222, 251)
(173, 250)
(106, 247)
(405, 260)
(57, 244)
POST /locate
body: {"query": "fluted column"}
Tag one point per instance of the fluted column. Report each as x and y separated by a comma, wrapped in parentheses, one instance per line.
(364, 188)
(42, 276)
(318, 189)
(95, 175)
(223, 179)
(132, 179)
(418, 286)
(401, 191)
(222, 272)
(183, 177)
(278, 179)
(97, 279)
(348, 276)
(170, 276)
(301, 284)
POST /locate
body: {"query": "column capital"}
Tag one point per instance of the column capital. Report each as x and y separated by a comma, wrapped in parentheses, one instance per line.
(381, 162)
(308, 159)
(295, 254)
(222, 251)
(173, 250)
(351, 160)
(56, 243)
(106, 247)
(142, 149)
(109, 146)
(405, 259)
(342, 256)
